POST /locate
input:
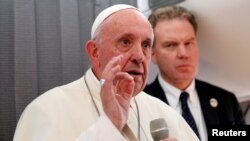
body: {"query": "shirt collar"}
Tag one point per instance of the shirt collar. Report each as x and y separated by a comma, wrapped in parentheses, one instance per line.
(93, 77)
(174, 93)
(93, 84)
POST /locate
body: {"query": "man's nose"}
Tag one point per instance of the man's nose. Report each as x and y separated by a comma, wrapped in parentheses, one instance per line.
(137, 54)
(182, 51)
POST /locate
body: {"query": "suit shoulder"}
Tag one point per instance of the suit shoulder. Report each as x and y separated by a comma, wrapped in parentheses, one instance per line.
(150, 88)
(212, 88)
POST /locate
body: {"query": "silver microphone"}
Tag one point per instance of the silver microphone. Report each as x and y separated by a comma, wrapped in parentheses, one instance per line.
(159, 129)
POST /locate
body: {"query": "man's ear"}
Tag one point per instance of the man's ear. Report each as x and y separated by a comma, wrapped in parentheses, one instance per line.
(92, 51)
(153, 56)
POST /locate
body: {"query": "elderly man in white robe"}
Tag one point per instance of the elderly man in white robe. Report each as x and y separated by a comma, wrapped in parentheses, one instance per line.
(107, 103)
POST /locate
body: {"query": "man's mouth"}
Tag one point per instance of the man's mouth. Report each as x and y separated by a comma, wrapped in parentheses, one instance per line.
(135, 73)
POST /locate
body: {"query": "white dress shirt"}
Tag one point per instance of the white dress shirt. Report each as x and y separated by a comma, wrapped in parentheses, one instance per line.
(173, 94)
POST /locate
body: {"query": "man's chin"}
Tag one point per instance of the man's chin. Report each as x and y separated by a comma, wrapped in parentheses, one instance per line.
(138, 89)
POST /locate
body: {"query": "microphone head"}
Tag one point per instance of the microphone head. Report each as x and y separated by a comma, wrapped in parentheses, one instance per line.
(159, 129)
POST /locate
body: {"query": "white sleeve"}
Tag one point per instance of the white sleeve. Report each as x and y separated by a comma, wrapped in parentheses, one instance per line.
(102, 130)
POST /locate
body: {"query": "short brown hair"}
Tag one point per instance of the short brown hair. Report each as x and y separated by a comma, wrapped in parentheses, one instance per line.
(172, 12)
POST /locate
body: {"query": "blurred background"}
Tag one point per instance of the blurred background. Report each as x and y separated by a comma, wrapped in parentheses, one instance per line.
(224, 43)
(41, 46)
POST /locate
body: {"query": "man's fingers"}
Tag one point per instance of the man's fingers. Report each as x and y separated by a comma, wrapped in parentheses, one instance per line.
(113, 63)
(124, 84)
(116, 91)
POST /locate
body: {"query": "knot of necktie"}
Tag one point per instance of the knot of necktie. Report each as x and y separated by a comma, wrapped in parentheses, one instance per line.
(184, 96)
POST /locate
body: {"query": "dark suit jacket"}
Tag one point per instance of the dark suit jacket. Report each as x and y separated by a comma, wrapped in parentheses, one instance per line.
(228, 111)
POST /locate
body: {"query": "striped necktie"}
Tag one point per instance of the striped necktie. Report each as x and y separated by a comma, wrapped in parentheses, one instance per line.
(187, 115)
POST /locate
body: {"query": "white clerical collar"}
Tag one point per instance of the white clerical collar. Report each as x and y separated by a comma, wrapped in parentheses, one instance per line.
(92, 84)
(93, 77)
(172, 93)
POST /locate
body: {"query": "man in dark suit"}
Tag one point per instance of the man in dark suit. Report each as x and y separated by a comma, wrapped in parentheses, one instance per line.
(176, 53)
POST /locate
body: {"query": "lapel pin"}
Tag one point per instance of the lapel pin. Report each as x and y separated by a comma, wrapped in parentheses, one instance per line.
(213, 102)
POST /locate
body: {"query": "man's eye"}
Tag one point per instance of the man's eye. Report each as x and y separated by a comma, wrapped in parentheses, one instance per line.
(189, 44)
(125, 42)
(146, 46)
(170, 45)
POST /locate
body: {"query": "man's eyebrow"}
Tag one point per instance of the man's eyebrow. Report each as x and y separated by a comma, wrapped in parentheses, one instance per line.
(130, 35)
(169, 42)
(126, 35)
(148, 40)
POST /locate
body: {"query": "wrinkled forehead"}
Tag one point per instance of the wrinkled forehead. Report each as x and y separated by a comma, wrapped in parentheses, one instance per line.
(129, 22)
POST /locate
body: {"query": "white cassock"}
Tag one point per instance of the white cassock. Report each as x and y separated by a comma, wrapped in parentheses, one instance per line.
(68, 113)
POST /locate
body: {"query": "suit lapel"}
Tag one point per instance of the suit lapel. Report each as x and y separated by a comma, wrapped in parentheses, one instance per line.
(210, 113)
(159, 91)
